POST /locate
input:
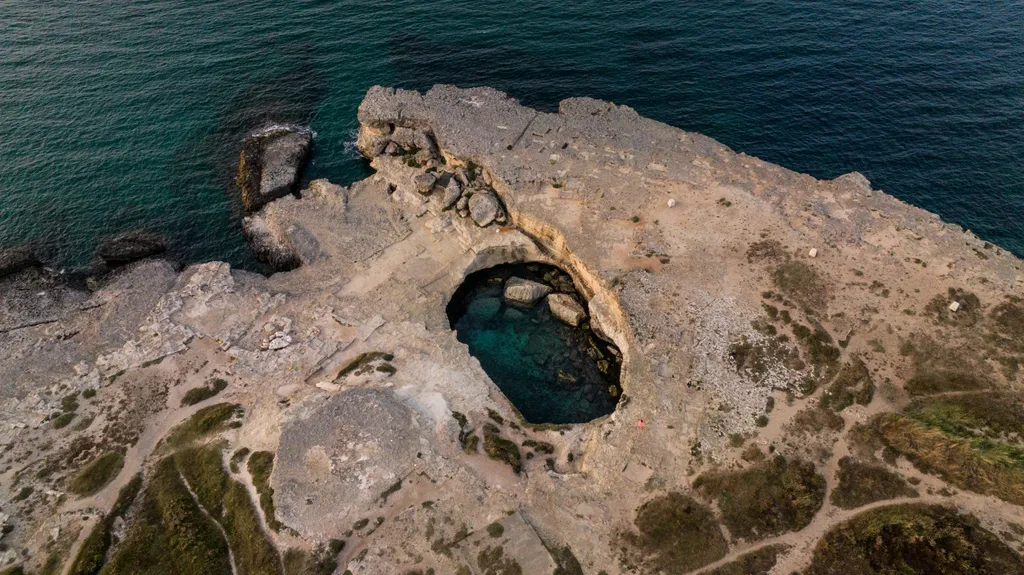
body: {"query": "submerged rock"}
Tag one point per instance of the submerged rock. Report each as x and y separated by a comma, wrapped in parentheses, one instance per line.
(270, 165)
(566, 308)
(129, 247)
(485, 208)
(518, 290)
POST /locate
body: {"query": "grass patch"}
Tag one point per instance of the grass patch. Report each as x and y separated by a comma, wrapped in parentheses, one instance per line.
(205, 422)
(170, 535)
(802, 283)
(97, 474)
(495, 530)
(972, 440)
(261, 464)
(852, 385)
(539, 446)
(930, 382)
(967, 315)
(500, 449)
(913, 539)
(756, 562)
(862, 483)
(766, 250)
(198, 394)
(93, 552)
(674, 535)
(768, 498)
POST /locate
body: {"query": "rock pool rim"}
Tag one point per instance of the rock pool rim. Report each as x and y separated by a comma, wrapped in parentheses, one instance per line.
(585, 352)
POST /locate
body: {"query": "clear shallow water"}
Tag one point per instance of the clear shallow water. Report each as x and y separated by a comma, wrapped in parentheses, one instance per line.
(115, 116)
(547, 369)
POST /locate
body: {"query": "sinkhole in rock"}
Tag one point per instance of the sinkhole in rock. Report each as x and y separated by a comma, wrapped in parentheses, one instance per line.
(551, 371)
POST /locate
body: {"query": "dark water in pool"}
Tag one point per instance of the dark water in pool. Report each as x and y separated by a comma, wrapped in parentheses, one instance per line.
(550, 371)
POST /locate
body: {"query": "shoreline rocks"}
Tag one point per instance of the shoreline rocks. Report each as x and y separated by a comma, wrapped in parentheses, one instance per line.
(270, 165)
(525, 292)
(485, 208)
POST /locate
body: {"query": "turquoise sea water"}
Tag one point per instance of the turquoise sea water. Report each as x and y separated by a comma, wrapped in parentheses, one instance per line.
(118, 115)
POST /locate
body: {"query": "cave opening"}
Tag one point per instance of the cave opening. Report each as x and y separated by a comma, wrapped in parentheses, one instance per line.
(528, 327)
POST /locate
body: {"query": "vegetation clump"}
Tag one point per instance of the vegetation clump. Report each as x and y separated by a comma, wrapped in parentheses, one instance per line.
(674, 535)
(862, 483)
(492, 561)
(198, 394)
(94, 549)
(967, 314)
(802, 283)
(500, 449)
(971, 440)
(365, 363)
(322, 560)
(913, 539)
(852, 385)
(768, 498)
(205, 422)
(756, 562)
(815, 420)
(97, 474)
(261, 464)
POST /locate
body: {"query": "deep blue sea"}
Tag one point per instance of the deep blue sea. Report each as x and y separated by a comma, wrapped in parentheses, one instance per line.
(118, 115)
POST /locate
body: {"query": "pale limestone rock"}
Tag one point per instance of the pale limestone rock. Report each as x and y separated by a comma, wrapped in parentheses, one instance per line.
(526, 292)
(566, 308)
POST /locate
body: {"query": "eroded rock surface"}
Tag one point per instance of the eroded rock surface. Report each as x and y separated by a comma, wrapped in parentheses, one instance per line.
(270, 164)
(736, 344)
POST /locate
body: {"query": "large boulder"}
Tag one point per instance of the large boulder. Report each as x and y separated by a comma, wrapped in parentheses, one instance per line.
(566, 308)
(485, 208)
(270, 243)
(270, 165)
(526, 292)
(130, 246)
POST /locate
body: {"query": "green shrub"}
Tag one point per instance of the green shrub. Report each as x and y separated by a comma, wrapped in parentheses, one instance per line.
(261, 464)
(501, 449)
(756, 562)
(206, 421)
(93, 553)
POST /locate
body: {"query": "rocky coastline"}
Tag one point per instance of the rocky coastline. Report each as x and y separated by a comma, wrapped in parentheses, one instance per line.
(793, 351)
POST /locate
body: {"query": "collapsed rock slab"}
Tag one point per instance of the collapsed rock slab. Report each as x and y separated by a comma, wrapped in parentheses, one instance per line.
(566, 308)
(526, 292)
(452, 193)
(484, 208)
(129, 247)
(425, 182)
(270, 165)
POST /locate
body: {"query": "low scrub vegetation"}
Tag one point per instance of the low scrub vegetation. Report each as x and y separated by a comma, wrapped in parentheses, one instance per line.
(913, 539)
(205, 422)
(970, 440)
(802, 283)
(97, 474)
(261, 464)
(93, 553)
(852, 385)
(674, 535)
(500, 449)
(198, 394)
(862, 483)
(768, 498)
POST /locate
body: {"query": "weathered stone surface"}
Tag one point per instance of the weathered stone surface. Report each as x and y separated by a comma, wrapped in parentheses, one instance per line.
(270, 243)
(452, 193)
(518, 290)
(425, 182)
(130, 246)
(14, 260)
(484, 208)
(566, 308)
(270, 165)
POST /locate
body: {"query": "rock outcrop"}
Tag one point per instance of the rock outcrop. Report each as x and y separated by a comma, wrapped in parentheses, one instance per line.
(14, 260)
(525, 292)
(271, 163)
(129, 247)
(566, 308)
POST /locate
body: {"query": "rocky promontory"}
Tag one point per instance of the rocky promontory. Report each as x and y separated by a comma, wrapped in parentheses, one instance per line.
(816, 377)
